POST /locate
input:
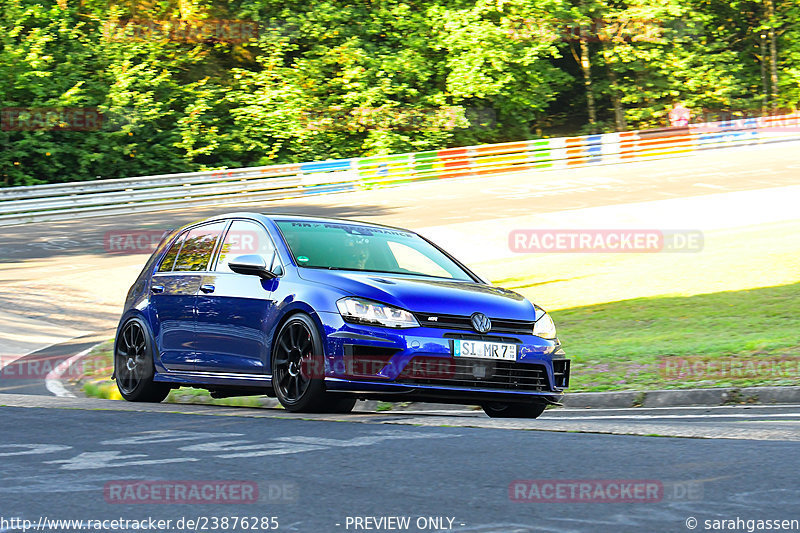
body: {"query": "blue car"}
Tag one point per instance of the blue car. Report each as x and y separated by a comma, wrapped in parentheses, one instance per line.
(321, 312)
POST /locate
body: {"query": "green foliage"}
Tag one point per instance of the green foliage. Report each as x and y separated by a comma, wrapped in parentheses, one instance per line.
(626, 344)
(332, 80)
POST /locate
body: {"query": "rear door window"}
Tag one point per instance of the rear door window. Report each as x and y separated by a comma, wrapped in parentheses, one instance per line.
(198, 247)
(169, 259)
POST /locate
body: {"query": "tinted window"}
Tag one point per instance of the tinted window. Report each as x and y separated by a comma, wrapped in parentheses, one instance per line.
(341, 246)
(172, 253)
(245, 238)
(198, 247)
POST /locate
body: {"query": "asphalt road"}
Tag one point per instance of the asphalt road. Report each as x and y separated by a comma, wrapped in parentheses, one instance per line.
(314, 474)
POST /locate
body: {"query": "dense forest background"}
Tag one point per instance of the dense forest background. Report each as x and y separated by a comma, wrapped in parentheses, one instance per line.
(182, 86)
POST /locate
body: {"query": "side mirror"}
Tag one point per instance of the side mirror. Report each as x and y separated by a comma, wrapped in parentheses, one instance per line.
(251, 265)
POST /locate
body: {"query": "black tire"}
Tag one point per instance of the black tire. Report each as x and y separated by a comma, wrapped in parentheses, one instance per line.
(298, 369)
(133, 364)
(340, 405)
(514, 410)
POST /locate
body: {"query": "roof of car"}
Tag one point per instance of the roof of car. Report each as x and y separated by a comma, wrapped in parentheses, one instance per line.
(301, 217)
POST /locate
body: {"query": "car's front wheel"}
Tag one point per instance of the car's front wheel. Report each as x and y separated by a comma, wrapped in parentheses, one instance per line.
(133, 364)
(513, 410)
(298, 370)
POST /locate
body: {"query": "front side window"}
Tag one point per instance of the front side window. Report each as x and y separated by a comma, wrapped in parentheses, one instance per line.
(198, 247)
(245, 238)
(341, 246)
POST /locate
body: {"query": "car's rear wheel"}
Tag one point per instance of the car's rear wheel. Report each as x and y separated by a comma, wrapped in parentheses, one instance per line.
(513, 410)
(133, 364)
(298, 369)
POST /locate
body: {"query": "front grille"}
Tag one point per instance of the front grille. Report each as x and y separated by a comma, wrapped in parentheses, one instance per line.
(479, 337)
(474, 373)
(499, 325)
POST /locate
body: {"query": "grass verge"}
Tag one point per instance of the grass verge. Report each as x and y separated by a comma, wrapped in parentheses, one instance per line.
(724, 339)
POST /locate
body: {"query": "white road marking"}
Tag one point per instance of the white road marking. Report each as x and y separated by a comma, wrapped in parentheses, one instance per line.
(93, 460)
(705, 409)
(360, 441)
(33, 449)
(167, 435)
(238, 448)
(245, 448)
(263, 450)
(53, 378)
(650, 417)
(297, 444)
(683, 408)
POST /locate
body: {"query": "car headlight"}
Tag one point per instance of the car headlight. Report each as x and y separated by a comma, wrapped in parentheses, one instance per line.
(545, 327)
(360, 311)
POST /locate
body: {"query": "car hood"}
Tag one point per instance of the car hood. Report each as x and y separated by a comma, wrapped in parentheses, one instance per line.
(427, 295)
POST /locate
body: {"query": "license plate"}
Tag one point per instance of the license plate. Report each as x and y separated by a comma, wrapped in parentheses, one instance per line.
(499, 351)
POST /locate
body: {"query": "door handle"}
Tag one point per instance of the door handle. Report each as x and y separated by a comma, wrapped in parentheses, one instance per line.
(157, 289)
(207, 288)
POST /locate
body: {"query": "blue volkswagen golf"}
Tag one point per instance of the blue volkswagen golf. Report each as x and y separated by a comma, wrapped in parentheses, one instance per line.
(321, 312)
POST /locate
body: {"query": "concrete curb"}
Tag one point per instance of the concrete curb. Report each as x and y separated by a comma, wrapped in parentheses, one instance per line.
(647, 399)
(683, 398)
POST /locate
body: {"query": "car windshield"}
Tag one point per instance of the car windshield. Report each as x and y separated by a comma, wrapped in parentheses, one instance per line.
(341, 246)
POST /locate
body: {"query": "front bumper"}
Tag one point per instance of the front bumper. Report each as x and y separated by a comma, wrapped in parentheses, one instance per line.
(418, 363)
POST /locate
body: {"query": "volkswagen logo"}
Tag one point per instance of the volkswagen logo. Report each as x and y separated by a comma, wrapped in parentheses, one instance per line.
(481, 323)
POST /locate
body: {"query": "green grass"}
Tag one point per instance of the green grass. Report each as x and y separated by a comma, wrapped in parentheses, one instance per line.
(192, 395)
(625, 344)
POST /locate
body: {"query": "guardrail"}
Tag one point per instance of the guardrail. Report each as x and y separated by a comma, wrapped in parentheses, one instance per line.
(63, 201)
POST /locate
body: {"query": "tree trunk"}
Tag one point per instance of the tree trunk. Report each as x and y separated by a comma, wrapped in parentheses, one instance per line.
(764, 81)
(586, 66)
(616, 99)
(773, 54)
